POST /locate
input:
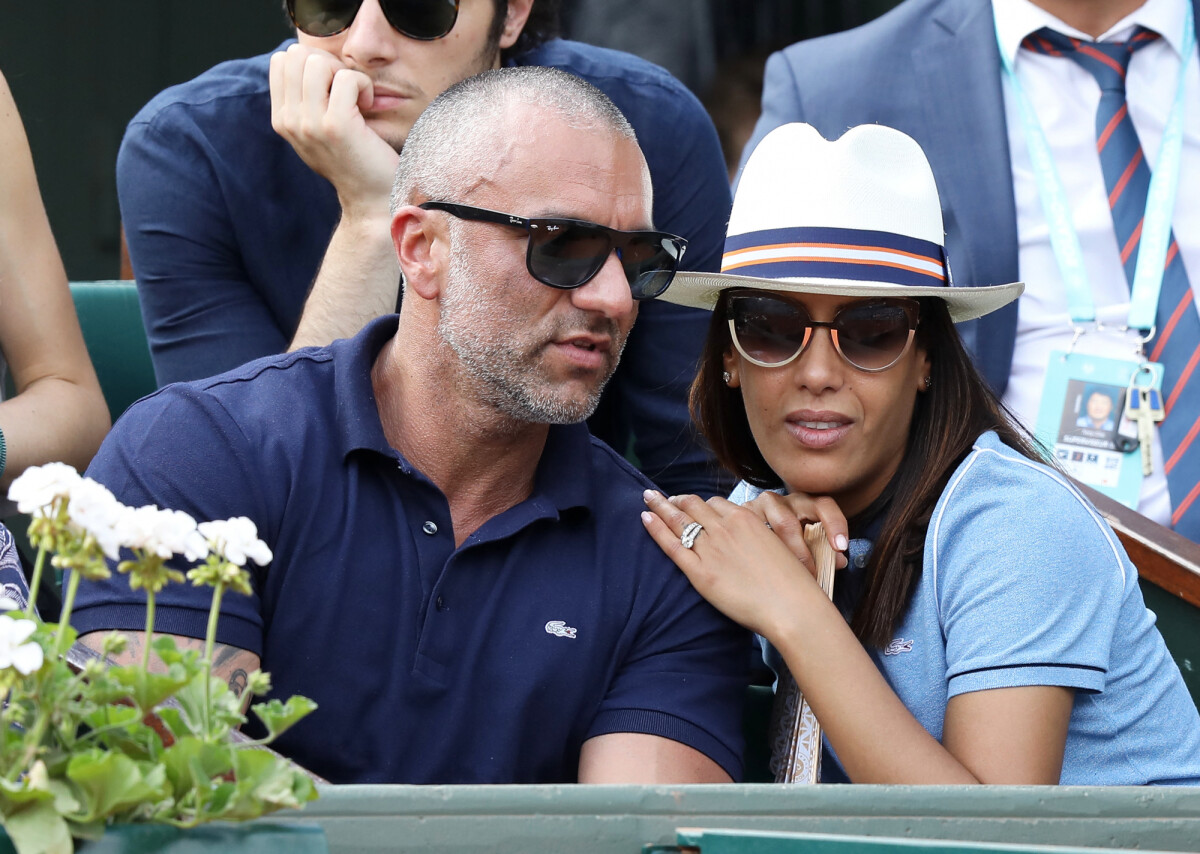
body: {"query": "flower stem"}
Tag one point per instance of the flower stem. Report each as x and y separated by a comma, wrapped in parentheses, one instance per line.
(36, 582)
(149, 630)
(65, 617)
(210, 637)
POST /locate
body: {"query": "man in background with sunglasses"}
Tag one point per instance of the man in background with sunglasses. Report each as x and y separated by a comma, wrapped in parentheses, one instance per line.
(460, 579)
(254, 198)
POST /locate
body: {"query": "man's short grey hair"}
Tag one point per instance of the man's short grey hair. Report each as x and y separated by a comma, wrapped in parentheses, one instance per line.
(447, 148)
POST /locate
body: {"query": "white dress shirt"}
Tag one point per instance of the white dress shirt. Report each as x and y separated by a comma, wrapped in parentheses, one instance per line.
(1065, 96)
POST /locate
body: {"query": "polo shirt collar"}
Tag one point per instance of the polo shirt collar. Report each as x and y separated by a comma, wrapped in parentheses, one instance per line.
(354, 395)
(563, 478)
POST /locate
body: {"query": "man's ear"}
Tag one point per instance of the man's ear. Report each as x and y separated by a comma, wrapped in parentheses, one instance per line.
(421, 248)
(514, 21)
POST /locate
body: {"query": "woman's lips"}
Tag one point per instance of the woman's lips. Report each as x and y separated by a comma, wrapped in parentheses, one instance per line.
(818, 429)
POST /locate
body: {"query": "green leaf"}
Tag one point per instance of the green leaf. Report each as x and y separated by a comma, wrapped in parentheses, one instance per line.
(164, 646)
(278, 717)
(38, 829)
(192, 763)
(109, 783)
(147, 690)
(265, 783)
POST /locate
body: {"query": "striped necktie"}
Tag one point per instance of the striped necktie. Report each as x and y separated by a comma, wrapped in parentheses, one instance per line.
(1177, 342)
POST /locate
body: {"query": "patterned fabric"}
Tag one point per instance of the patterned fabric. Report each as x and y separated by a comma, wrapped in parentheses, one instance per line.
(12, 579)
(1127, 177)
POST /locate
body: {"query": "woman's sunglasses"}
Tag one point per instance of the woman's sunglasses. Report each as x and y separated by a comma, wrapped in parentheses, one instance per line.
(418, 19)
(568, 253)
(772, 331)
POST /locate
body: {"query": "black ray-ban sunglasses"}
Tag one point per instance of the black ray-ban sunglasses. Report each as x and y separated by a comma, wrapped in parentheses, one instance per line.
(568, 253)
(418, 19)
(772, 331)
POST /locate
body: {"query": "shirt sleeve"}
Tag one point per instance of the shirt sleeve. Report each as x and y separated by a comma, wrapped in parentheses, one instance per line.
(179, 450)
(1029, 580)
(684, 676)
(202, 313)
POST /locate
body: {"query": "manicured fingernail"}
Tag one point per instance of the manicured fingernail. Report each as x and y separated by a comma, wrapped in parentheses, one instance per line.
(841, 542)
(648, 494)
(646, 517)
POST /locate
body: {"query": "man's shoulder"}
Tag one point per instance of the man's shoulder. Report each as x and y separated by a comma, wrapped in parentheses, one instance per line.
(648, 95)
(603, 67)
(225, 86)
(259, 389)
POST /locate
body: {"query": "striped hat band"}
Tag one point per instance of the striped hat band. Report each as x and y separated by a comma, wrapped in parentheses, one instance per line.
(835, 253)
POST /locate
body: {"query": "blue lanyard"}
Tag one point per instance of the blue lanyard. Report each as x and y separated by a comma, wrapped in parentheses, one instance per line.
(1160, 201)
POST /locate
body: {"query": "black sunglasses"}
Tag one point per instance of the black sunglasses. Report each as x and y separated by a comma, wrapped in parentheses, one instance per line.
(568, 253)
(418, 19)
(772, 331)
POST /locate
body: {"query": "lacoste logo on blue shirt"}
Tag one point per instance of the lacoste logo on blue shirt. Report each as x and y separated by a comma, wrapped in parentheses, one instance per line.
(560, 629)
(896, 647)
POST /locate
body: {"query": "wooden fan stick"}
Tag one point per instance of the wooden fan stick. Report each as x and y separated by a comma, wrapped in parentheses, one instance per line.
(796, 733)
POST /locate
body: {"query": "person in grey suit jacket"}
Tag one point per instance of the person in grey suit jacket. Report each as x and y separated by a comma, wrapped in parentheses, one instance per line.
(932, 69)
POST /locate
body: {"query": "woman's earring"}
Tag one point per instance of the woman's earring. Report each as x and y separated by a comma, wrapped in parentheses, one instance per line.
(928, 383)
(727, 377)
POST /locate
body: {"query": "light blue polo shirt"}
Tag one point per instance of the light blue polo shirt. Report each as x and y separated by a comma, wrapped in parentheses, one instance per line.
(1024, 584)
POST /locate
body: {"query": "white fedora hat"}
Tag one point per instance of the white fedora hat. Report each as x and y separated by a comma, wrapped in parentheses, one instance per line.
(856, 217)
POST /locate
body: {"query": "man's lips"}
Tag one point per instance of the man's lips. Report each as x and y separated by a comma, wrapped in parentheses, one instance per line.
(818, 429)
(387, 98)
(585, 351)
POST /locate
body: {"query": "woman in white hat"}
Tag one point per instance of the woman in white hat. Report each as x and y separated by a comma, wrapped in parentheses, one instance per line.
(989, 627)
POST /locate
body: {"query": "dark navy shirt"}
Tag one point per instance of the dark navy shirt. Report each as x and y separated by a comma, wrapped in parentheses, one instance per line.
(557, 620)
(227, 226)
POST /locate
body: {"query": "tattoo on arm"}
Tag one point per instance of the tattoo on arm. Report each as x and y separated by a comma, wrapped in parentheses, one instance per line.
(237, 681)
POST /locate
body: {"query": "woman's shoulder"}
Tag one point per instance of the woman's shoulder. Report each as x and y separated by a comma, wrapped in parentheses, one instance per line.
(999, 495)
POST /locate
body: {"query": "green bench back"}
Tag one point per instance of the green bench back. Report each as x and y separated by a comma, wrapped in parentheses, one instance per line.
(111, 321)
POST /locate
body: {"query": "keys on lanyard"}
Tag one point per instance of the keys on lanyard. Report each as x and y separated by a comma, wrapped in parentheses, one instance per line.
(1143, 406)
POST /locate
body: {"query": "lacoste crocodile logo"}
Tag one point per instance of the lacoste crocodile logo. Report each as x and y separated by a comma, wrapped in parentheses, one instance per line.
(896, 647)
(560, 629)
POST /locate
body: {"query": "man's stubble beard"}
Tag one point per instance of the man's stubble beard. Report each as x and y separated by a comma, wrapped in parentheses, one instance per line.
(506, 377)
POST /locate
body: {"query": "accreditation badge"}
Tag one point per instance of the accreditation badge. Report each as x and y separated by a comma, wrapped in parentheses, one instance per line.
(1082, 421)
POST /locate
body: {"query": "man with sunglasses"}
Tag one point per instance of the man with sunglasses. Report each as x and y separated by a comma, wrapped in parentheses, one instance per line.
(254, 198)
(460, 579)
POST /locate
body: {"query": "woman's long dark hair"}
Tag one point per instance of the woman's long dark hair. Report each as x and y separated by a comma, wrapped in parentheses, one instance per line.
(946, 421)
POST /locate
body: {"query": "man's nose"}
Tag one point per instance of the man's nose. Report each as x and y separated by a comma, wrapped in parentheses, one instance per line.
(607, 292)
(370, 41)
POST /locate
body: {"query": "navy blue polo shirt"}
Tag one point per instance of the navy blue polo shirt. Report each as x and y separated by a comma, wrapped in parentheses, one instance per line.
(556, 621)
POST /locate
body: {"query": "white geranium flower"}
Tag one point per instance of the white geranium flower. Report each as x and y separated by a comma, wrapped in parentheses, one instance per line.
(135, 527)
(162, 532)
(38, 486)
(235, 540)
(14, 651)
(96, 510)
(176, 531)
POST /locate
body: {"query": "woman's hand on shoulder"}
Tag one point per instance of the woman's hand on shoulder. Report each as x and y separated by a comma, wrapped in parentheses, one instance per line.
(736, 562)
(787, 515)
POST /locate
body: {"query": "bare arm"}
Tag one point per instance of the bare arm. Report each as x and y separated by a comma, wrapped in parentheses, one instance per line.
(315, 106)
(58, 412)
(633, 757)
(230, 664)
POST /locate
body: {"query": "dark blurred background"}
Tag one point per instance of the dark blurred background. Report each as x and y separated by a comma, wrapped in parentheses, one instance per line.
(79, 70)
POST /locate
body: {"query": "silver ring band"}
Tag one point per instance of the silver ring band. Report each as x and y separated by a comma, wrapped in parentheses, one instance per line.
(690, 532)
